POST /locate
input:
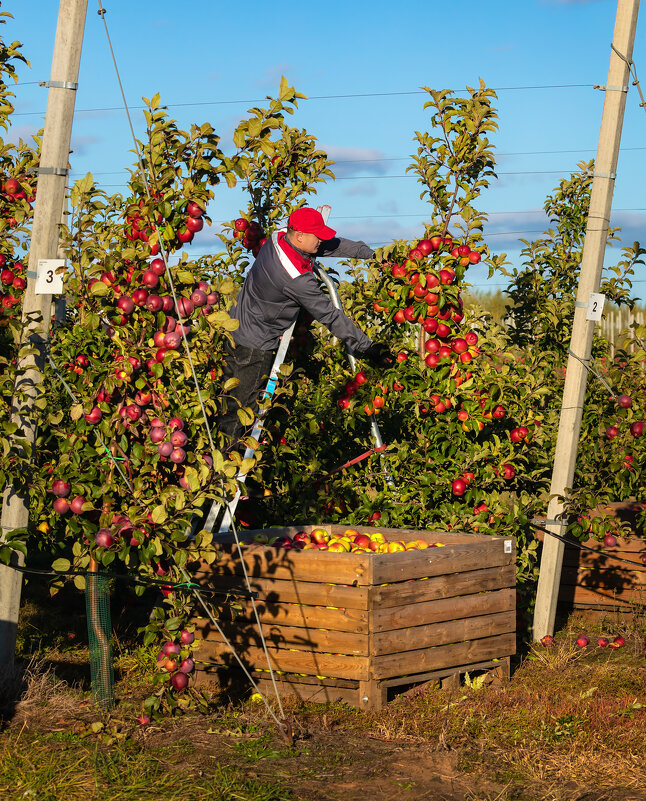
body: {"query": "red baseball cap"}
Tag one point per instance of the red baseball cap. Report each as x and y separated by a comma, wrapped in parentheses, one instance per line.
(310, 221)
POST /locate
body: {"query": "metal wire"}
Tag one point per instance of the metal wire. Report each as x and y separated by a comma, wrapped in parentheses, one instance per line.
(102, 13)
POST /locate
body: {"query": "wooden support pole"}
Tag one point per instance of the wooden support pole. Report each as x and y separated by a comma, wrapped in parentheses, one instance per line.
(581, 342)
(48, 208)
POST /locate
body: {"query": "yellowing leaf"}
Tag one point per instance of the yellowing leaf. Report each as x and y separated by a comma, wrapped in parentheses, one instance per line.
(98, 289)
(159, 514)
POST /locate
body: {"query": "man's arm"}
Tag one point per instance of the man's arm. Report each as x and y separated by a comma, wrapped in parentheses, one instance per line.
(306, 291)
(340, 248)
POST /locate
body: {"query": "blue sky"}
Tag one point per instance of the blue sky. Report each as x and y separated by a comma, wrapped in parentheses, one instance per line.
(362, 65)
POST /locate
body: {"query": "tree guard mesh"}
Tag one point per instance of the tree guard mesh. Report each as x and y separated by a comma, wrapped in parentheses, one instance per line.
(99, 627)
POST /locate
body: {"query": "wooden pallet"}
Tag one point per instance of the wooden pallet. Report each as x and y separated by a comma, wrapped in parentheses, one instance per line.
(354, 625)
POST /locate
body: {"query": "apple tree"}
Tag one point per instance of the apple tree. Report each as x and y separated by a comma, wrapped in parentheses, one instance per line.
(17, 194)
(448, 407)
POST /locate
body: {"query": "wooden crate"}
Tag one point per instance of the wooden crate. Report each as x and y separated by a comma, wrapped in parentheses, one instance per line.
(350, 626)
(599, 578)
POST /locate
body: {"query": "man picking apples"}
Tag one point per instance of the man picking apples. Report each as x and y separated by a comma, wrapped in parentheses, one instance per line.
(280, 282)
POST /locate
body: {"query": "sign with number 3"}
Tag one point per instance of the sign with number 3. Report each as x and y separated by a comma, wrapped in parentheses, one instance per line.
(48, 281)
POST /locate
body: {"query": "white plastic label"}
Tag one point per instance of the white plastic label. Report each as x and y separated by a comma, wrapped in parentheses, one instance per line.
(508, 546)
(48, 281)
(595, 306)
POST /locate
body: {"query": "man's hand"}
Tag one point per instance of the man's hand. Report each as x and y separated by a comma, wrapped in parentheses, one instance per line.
(379, 355)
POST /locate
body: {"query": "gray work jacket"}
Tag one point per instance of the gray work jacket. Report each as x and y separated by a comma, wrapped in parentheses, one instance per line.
(276, 288)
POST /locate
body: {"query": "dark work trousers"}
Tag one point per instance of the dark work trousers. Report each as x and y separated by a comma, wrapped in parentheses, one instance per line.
(251, 367)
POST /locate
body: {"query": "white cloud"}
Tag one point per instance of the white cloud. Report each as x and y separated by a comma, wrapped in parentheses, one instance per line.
(81, 145)
(24, 132)
(270, 78)
(357, 160)
(362, 188)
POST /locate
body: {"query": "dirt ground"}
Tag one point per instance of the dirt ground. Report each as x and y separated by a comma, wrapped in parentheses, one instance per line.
(336, 755)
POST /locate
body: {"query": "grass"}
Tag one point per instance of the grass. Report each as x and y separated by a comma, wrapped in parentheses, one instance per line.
(50, 767)
(570, 722)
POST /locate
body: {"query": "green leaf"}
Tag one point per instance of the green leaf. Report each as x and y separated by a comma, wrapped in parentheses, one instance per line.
(159, 515)
(99, 289)
(185, 277)
(61, 565)
(246, 416)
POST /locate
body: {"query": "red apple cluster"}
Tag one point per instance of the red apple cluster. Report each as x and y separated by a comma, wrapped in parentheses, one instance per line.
(63, 505)
(350, 541)
(176, 661)
(583, 641)
(140, 228)
(251, 233)
(12, 285)
(351, 387)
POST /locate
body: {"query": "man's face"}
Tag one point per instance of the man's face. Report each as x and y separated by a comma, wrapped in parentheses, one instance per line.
(308, 243)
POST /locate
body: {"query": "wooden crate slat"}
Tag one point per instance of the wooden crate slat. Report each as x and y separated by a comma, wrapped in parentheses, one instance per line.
(455, 584)
(415, 614)
(619, 580)
(317, 617)
(301, 678)
(315, 693)
(444, 656)
(406, 565)
(278, 591)
(502, 665)
(406, 643)
(583, 595)
(246, 636)
(312, 663)
(264, 561)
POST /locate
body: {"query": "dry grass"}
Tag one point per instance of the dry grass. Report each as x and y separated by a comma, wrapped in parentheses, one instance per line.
(32, 687)
(570, 725)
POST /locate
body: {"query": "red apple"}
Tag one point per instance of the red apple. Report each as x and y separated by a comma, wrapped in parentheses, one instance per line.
(76, 505)
(94, 416)
(612, 431)
(186, 637)
(150, 279)
(508, 471)
(103, 538)
(157, 266)
(194, 224)
(61, 506)
(179, 681)
(125, 305)
(139, 297)
(61, 488)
